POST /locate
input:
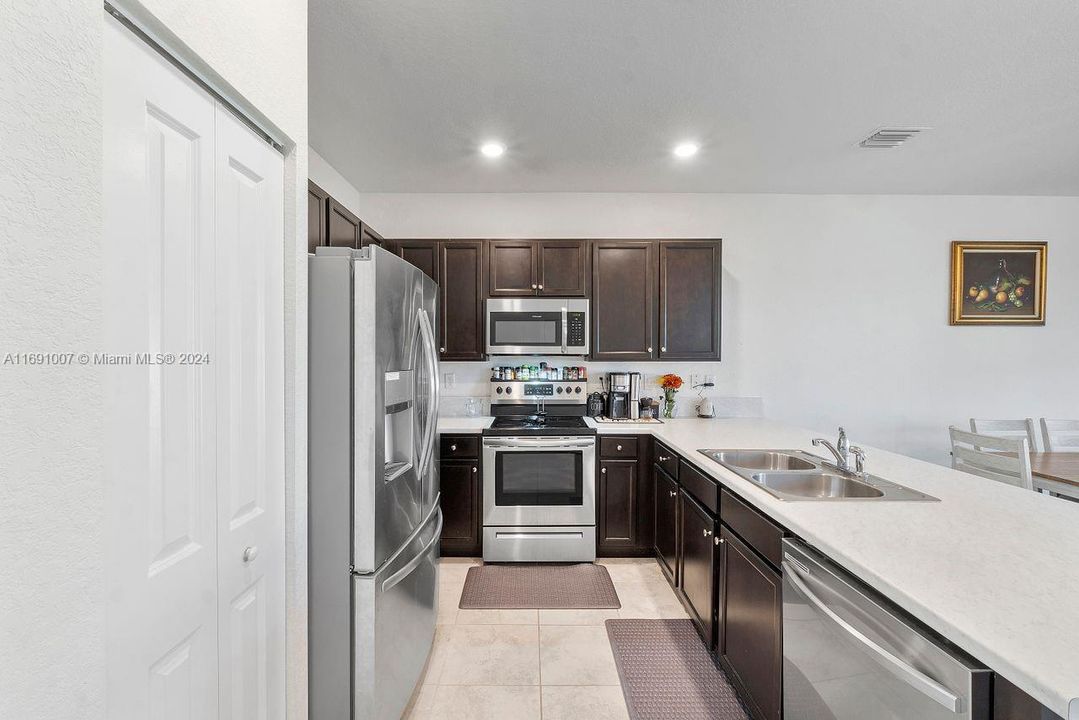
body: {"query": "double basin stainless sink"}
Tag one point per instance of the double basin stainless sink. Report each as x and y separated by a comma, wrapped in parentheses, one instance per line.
(798, 475)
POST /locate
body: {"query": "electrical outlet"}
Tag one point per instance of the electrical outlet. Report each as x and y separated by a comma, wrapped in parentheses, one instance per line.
(709, 379)
(449, 380)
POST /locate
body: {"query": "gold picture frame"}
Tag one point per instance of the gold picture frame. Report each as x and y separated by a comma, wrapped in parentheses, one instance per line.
(998, 283)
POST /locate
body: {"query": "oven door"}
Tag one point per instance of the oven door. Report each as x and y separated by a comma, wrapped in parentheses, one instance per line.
(539, 481)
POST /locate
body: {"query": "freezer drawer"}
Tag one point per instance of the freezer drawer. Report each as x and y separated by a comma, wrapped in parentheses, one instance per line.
(849, 654)
(572, 543)
(394, 626)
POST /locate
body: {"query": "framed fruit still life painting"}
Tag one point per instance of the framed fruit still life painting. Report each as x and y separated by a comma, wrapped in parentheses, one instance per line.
(998, 283)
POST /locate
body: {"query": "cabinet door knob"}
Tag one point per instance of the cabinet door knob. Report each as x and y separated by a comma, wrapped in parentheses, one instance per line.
(453, 448)
(649, 348)
(541, 286)
(474, 469)
(663, 348)
(708, 533)
(603, 470)
(442, 349)
(534, 286)
(619, 447)
(720, 541)
(674, 493)
(663, 459)
(251, 553)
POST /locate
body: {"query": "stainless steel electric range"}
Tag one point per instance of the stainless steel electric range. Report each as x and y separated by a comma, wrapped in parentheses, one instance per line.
(539, 474)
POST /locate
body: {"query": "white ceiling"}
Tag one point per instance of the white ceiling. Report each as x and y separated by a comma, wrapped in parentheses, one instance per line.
(590, 95)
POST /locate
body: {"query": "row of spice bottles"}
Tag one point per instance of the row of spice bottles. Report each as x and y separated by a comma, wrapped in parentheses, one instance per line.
(538, 372)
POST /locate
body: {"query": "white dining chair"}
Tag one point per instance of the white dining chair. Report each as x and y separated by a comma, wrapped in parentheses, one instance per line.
(1004, 459)
(1008, 428)
(1060, 435)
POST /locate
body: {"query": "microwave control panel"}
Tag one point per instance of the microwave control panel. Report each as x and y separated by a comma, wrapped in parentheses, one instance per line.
(575, 331)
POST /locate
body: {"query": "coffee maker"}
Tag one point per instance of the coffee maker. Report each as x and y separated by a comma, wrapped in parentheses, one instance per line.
(624, 395)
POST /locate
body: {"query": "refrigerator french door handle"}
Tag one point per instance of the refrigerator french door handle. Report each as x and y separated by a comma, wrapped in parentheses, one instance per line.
(898, 667)
(430, 353)
(414, 563)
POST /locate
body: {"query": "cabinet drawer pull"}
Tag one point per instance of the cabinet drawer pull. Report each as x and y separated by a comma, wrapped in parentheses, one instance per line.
(453, 448)
(708, 533)
(663, 459)
(674, 493)
(618, 447)
(603, 470)
(720, 541)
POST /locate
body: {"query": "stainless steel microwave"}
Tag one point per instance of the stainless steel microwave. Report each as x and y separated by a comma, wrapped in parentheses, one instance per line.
(537, 326)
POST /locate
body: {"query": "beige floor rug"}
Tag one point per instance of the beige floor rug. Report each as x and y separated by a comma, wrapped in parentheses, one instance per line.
(581, 586)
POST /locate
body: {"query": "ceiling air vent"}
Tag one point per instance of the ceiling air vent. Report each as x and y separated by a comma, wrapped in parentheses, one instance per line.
(890, 137)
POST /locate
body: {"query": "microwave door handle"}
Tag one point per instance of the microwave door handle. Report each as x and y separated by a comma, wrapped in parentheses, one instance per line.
(898, 667)
(565, 329)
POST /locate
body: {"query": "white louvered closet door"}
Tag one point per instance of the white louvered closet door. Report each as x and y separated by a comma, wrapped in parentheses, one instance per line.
(193, 251)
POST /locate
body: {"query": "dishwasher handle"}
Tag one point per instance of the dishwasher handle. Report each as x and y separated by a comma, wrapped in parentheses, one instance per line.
(898, 667)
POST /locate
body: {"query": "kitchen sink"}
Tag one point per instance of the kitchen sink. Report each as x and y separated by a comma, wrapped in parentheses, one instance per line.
(763, 460)
(817, 485)
(797, 475)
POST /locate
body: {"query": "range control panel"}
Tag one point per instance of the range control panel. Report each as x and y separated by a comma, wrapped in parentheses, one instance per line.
(529, 391)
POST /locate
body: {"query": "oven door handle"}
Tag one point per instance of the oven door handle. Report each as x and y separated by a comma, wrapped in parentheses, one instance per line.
(555, 444)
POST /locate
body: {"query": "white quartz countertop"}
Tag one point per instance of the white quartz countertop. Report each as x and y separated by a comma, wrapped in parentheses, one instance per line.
(993, 568)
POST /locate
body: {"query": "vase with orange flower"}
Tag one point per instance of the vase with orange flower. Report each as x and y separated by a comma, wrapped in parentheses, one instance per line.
(670, 383)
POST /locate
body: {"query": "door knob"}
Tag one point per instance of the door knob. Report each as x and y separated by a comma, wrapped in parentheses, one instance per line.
(708, 533)
(250, 553)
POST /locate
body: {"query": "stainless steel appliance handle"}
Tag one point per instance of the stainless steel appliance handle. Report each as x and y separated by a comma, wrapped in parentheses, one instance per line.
(898, 667)
(430, 352)
(414, 563)
(565, 329)
(552, 444)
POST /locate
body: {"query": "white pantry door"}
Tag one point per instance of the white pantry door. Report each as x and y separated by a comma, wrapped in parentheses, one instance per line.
(249, 365)
(195, 466)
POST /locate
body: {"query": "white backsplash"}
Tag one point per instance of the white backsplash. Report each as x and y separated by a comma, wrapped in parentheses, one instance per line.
(463, 380)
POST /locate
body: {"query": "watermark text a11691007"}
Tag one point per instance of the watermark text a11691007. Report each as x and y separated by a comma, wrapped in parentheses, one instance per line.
(64, 359)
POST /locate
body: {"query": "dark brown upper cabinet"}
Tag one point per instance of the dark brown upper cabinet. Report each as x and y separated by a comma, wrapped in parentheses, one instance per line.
(316, 216)
(689, 299)
(512, 268)
(522, 268)
(421, 253)
(624, 300)
(344, 227)
(369, 237)
(562, 268)
(461, 295)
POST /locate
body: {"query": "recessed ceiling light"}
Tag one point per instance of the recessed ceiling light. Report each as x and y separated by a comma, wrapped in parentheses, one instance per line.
(492, 149)
(686, 149)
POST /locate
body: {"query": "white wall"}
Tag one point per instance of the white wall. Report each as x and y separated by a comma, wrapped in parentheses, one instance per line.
(51, 591)
(835, 308)
(326, 177)
(51, 608)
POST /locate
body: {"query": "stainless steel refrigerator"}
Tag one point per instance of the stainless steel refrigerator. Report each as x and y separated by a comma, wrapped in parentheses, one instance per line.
(373, 502)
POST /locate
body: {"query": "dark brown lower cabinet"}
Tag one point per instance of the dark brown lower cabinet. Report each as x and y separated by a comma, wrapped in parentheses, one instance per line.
(698, 566)
(666, 524)
(617, 499)
(461, 504)
(751, 626)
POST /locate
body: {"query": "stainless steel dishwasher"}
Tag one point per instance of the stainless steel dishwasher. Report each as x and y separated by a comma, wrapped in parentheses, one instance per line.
(850, 654)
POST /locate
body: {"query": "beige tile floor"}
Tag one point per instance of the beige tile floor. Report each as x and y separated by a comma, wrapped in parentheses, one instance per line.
(531, 664)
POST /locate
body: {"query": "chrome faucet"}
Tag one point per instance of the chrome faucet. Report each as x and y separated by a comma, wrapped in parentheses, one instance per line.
(841, 450)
